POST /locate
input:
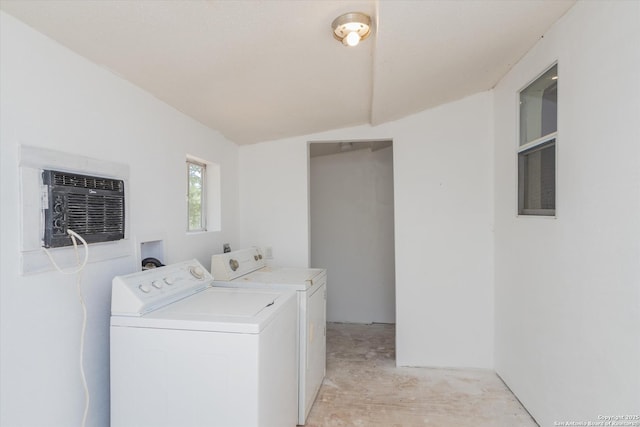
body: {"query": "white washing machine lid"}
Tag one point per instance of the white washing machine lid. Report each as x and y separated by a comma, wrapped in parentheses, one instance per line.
(299, 279)
(215, 310)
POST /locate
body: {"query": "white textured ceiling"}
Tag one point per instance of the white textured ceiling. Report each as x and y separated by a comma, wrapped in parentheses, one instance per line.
(263, 70)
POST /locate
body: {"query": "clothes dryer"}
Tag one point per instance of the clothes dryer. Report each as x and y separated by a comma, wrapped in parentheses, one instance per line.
(184, 353)
(246, 268)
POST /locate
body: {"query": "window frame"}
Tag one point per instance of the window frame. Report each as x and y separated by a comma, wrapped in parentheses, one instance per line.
(203, 196)
(531, 147)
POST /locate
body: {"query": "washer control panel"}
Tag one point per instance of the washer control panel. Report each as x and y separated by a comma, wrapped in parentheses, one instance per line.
(142, 292)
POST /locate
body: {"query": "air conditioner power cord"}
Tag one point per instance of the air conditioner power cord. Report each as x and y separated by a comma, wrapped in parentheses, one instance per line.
(78, 271)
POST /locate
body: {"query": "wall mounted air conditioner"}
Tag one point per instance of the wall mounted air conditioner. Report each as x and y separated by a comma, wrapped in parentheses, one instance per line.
(91, 206)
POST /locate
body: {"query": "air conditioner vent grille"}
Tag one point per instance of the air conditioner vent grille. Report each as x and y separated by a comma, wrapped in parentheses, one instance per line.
(93, 207)
(83, 181)
(91, 214)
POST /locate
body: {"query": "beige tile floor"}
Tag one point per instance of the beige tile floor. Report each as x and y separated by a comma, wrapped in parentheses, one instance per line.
(364, 388)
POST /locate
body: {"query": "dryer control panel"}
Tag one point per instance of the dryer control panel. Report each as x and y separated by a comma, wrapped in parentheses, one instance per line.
(139, 293)
(231, 265)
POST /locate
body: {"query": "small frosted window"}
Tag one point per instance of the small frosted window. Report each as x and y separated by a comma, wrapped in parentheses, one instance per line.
(196, 200)
(203, 195)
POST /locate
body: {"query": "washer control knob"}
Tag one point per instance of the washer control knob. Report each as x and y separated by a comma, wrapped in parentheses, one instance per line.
(169, 280)
(234, 264)
(144, 288)
(196, 272)
(156, 284)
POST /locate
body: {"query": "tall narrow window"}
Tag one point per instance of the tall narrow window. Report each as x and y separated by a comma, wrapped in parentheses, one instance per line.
(537, 145)
(196, 196)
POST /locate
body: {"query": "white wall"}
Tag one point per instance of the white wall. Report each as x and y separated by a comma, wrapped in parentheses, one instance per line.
(443, 224)
(568, 289)
(54, 99)
(273, 200)
(352, 225)
(443, 214)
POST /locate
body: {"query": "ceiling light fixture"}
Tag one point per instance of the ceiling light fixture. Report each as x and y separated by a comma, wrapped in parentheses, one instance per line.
(351, 27)
(346, 146)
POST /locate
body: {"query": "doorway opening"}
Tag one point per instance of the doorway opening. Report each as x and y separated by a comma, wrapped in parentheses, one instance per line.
(351, 221)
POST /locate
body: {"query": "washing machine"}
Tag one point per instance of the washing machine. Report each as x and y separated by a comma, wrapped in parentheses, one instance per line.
(247, 269)
(184, 353)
